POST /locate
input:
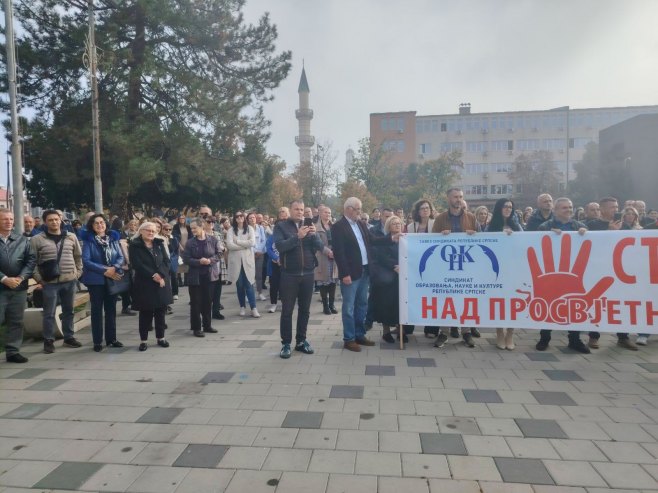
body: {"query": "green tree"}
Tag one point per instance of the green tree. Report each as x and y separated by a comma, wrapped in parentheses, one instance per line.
(181, 89)
(585, 187)
(534, 174)
(431, 179)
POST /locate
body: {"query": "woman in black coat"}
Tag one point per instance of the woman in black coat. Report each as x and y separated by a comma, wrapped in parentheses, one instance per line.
(151, 287)
(384, 280)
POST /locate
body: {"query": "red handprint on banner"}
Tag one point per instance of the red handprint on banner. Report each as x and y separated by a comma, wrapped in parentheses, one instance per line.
(567, 282)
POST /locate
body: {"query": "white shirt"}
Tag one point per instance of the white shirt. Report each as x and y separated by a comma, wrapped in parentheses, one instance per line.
(360, 240)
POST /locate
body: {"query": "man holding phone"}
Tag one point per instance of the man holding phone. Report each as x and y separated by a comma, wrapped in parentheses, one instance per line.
(296, 242)
(610, 221)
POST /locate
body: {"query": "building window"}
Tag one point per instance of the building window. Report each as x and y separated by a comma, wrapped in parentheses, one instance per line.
(553, 144)
(503, 189)
(451, 146)
(393, 145)
(510, 145)
(425, 148)
(499, 145)
(501, 167)
(383, 124)
(477, 146)
(528, 144)
(435, 125)
(475, 169)
(475, 190)
(444, 127)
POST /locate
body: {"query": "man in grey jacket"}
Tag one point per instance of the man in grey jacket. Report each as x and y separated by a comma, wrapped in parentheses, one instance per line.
(16, 266)
(46, 246)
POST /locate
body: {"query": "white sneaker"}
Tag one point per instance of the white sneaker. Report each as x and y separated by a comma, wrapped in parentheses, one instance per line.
(175, 297)
(272, 308)
(261, 297)
(641, 340)
(243, 312)
(254, 313)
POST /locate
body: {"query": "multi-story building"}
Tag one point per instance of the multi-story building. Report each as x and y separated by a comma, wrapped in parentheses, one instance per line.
(490, 142)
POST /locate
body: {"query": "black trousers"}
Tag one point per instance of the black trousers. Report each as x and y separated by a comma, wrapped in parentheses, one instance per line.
(216, 288)
(147, 317)
(200, 303)
(545, 334)
(295, 289)
(275, 281)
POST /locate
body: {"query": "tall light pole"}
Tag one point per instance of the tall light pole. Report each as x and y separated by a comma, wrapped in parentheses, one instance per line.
(91, 61)
(16, 161)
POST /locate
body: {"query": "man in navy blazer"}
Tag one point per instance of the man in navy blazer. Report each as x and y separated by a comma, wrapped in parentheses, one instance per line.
(351, 242)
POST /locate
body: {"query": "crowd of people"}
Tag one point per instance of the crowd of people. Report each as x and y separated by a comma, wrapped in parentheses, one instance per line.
(301, 251)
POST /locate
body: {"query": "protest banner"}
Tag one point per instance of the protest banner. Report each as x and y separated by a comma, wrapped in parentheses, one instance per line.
(603, 281)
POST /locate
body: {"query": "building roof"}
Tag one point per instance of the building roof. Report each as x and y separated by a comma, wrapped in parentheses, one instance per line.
(303, 83)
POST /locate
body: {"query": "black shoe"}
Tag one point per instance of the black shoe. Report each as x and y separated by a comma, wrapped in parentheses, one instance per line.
(210, 330)
(114, 343)
(468, 340)
(304, 347)
(128, 311)
(454, 332)
(441, 340)
(325, 308)
(71, 342)
(578, 345)
(219, 316)
(428, 334)
(405, 339)
(388, 338)
(163, 343)
(475, 332)
(169, 310)
(98, 348)
(16, 358)
(542, 345)
(199, 333)
(143, 346)
(332, 309)
(48, 346)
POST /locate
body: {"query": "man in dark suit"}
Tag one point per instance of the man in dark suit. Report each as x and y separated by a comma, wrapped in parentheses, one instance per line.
(351, 240)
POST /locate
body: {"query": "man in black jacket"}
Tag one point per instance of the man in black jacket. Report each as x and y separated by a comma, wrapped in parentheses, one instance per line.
(296, 243)
(17, 263)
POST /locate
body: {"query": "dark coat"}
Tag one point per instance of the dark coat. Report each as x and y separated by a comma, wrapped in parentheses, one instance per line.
(384, 283)
(93, 259)
(297, 256)
(194, 252)
(17, 260)
(345, 246)
(146, 294)
(535, 220)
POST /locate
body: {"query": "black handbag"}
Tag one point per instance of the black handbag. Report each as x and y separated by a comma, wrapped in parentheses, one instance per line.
(380, 274)
(49, 269)
(117, 287)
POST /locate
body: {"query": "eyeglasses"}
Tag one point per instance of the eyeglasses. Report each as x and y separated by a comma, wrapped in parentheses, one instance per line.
(238, 215)
(209, 221)
(507, 207)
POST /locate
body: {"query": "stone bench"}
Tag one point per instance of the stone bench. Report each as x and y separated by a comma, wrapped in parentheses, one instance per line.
(33, 317)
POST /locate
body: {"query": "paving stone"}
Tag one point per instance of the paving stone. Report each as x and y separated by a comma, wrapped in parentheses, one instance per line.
(68, 476)
(283, 459)
(380, 370)
(441, 443)
(421, 362)
(113, 477)
(625, 452)
(316, 439)
(335, 461)
(478, 468)
(263, 332)
(399, 441)
(540, 428)
(386, 345)
(573, 473)
(541, 357)
(217, 377)
(275, 437)
(425, 465)
(316, 322)
(159, 479)
(532, 448)
(201, 456)
(189, 388)
(553, 398)
(336, 345)
(27, 374)
(47, 384)
(251, 344)
(244, 458)
(302, 419)
(395, 485)
(378, 463)
(578, 450)
(202, 480)
(159, 454)
(160, 415)
(346, 391)
(515, 470)
(563, 375)
(27, 411)
(486, 396)
(650, 367)
(487, 446)
(465, 426)
(366, 440)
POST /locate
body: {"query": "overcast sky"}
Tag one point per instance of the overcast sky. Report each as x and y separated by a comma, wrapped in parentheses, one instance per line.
(371, 56)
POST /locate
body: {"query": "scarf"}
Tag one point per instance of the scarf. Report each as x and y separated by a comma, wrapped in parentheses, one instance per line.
(104, 242)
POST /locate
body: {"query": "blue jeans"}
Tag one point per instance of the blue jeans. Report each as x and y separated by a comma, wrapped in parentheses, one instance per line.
(66, 293)
(102, 300)
(355, 306)
(245, 287)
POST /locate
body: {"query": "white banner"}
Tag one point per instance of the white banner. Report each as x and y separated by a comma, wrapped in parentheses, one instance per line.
(603, 281)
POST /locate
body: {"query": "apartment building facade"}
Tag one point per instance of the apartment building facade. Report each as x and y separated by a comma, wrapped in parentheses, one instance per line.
(490, 142)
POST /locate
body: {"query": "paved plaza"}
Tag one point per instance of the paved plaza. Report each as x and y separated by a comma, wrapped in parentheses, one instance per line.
(225, 413)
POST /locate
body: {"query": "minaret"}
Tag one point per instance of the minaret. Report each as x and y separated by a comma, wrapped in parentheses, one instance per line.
(304, 114)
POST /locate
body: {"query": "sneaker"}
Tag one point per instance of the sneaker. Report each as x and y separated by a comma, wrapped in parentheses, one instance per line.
(199, 333)
(468, 340)
(441, 340)
(115, 343)
(304, 347)
(542, 345)
(593, 343)
(71, 342)
(475, 332)
(175, 297)
(163, 343)
(261, 297)
(272, 309)
(578, 345)
(98, 348)
(285, 351)
(143, 346)
(16, 358)
(626, 343)
(254, 313)
(243, 312)
(218, 316)
(642, 340)
(48, 346)
(454, 332)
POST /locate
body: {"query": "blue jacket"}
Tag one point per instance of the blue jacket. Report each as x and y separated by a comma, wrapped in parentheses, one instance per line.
(272, 253)
(93, 258)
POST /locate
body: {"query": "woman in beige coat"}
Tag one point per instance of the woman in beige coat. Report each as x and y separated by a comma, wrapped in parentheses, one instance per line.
(326, 272)
(240, 240)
